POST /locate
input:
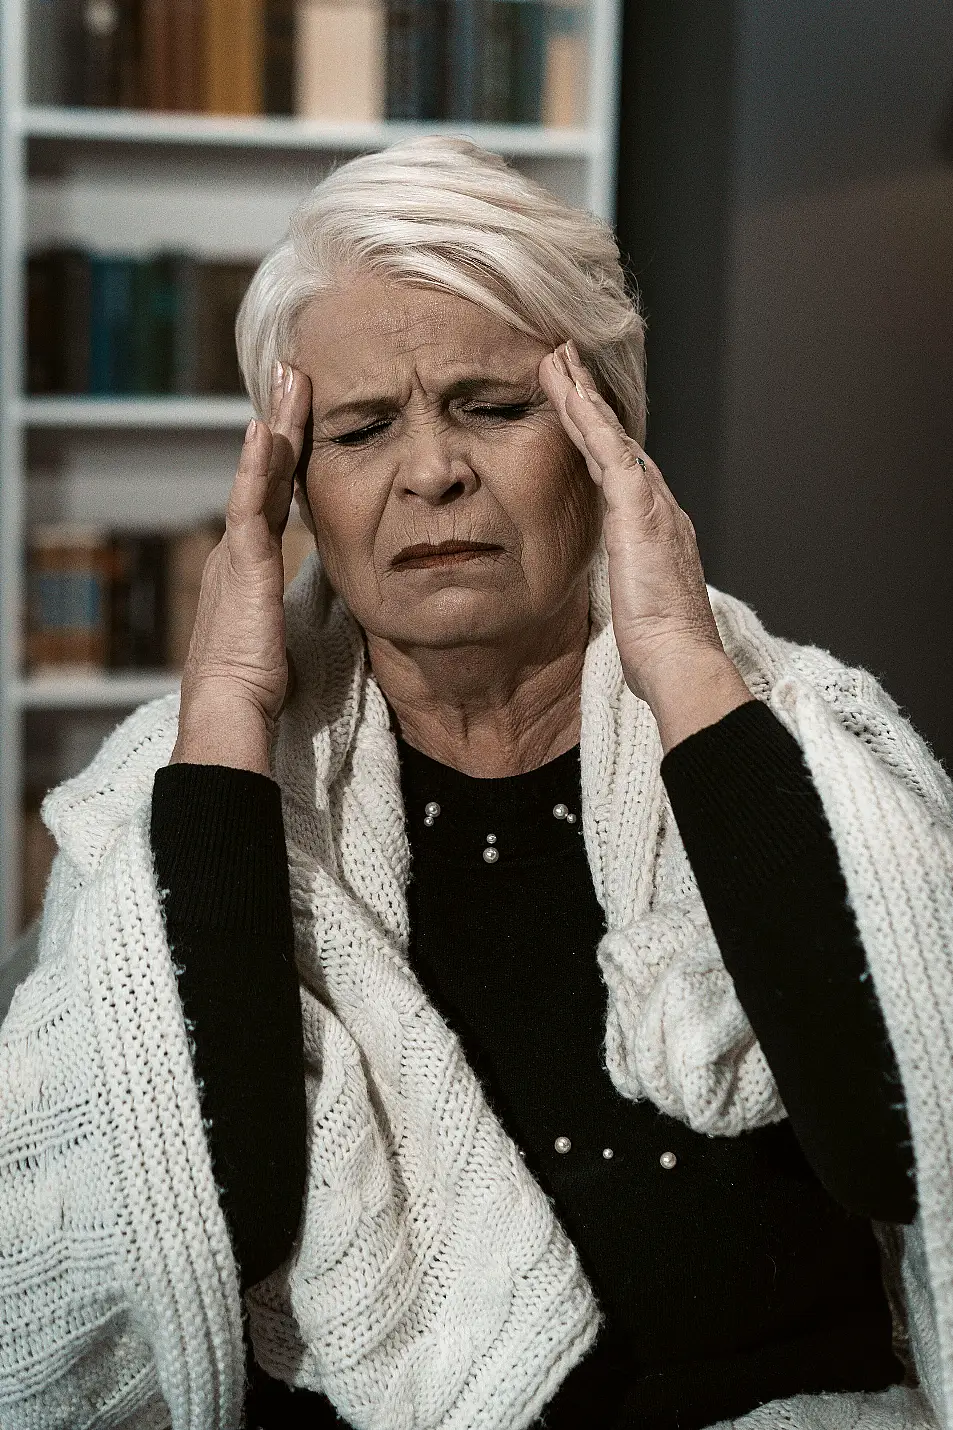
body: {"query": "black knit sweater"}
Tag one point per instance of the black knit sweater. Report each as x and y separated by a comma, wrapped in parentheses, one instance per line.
(744, 1271)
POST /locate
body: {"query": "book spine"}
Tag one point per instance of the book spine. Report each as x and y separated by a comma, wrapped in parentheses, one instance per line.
(111, 348)
(43, 353)
(137, 605)
(529, 61)
(464, 27)
(184, 277)
(68, 591)
(339, 60)
(97, 42)
(155, 41)
(279, 57)
(233, 69)
(564, 83)
(186, 55)
(74, 332)
(219, 289)
(497, 67)
(416, 59)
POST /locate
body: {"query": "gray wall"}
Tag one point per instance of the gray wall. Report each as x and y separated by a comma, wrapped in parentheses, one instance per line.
(822, 290)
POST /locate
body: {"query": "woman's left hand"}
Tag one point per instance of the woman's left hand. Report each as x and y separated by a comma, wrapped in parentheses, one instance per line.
(671, 652)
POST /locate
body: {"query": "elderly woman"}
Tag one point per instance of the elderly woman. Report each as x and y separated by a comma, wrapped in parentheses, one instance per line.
(527, 1003)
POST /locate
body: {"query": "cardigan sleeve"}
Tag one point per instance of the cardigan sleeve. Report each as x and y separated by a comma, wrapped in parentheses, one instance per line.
(219, 850)
(767, 868)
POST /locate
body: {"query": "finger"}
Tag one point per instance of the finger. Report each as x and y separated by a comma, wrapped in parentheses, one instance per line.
(557, 384)
(288, 429)
(628, 469)
(250, 487)
(277, 387)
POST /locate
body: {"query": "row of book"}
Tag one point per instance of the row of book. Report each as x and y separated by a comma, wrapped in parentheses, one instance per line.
(118, 600)
(495, 61)
(107, 324)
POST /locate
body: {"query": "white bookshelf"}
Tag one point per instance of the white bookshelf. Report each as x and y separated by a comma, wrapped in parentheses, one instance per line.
(129, 182)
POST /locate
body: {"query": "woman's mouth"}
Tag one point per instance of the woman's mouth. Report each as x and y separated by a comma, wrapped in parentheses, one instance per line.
(445, 553)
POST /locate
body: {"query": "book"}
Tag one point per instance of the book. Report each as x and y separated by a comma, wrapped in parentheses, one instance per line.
(233, 56)
(510, 61)
(100, 42)
(137, 601)
(57, 321)
(187, 58)
(279, 57)
(68, 583)
(156, 54)
(111, 321)
(416, 59)
(339, 59)
(156, 304)
(564, 81)
(113, 325)
(464, 31)
(210, 306)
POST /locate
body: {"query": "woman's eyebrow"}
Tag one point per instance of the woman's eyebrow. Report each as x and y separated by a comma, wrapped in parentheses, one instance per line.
(464, 387)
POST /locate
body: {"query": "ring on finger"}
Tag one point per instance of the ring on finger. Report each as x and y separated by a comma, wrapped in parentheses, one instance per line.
(641, 464)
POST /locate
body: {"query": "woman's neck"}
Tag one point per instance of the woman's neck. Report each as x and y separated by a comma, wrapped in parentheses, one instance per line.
(481, 711)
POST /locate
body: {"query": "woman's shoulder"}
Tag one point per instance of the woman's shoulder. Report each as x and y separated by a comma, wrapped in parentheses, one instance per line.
(765, 659)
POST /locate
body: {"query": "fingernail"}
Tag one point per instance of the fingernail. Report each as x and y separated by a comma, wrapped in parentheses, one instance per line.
(289, 379)
(581, 390)
(573, 352)
(278, 373)
(250, 430)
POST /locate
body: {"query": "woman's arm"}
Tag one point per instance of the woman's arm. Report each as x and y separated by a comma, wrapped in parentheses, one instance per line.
(767, 869)
(218, 845)
(219, 849)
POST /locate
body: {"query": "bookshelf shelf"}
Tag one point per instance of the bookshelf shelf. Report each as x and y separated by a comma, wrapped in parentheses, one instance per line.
(151, 413)
(129, 185)
(99, 692)
(78, 126)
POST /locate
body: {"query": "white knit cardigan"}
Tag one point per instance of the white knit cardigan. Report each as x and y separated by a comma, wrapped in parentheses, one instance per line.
(432, 1286)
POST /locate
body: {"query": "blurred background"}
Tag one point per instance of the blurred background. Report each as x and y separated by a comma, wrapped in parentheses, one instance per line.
(781, 179)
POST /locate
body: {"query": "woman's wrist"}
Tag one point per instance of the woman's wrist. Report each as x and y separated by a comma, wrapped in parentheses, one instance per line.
(223, 732)
(690, 689)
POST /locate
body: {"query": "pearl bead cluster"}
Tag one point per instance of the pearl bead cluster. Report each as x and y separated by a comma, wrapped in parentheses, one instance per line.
(491, 853)
(563, 1145)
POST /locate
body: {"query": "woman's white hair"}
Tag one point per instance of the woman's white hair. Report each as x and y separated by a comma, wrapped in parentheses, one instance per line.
(443, 213)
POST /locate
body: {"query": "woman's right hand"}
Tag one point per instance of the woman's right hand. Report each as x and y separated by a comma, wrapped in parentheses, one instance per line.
(236, 675)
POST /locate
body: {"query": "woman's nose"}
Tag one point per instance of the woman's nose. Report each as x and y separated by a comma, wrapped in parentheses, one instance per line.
(434, 470)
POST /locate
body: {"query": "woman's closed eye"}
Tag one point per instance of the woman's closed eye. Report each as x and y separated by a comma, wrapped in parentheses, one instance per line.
(505, 412)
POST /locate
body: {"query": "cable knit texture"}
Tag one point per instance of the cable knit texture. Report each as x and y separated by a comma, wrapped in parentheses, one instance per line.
(432, 1286)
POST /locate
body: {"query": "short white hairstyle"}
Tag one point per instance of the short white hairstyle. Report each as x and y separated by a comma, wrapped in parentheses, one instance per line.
(440, 212)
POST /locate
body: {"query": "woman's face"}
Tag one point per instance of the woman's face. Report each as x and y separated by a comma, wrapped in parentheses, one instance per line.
(430, 426)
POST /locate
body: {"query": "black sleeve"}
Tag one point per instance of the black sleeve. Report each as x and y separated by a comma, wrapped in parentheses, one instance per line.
(765, 862)
(219, 849)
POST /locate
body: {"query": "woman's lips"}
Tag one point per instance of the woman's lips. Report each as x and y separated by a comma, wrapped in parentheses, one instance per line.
(437, 556)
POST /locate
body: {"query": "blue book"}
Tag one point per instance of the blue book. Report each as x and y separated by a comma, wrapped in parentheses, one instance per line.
(416, 59)
(111, 317)
(464, 28)
(530, 34)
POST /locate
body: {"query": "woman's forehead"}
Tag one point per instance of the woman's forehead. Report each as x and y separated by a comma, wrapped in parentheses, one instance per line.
(404, 317)
(378, 331)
